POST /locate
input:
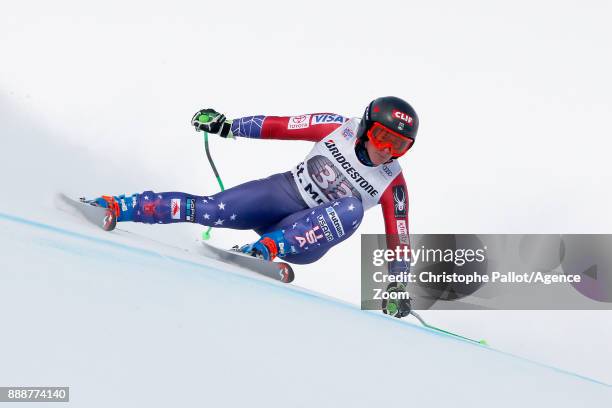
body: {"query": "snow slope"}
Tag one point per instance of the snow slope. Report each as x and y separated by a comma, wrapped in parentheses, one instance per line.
(127, 321)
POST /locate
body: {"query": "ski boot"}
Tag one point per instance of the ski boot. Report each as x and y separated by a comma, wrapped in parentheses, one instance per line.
(123, 207)
(268, 247)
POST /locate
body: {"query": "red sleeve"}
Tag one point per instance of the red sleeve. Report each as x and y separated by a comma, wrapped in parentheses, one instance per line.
(312, 127)
(394, 203)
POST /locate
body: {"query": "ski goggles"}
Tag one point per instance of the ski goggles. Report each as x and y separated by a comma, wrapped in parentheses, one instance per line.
(382, 137)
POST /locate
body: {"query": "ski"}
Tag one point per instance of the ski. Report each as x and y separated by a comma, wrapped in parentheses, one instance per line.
(106, 219)
(100, 216)
(429, 326)
(280, 271)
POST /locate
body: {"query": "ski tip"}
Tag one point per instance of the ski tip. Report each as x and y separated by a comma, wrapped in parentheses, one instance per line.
(285, 272)
(483, 342)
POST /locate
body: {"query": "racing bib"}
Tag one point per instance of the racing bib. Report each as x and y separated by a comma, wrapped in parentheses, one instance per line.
(332, 171)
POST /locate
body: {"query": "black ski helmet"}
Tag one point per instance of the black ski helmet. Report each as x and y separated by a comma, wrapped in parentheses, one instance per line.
(391, 112)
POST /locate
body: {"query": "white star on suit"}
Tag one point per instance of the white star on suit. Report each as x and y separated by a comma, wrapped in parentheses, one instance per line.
(221, 206)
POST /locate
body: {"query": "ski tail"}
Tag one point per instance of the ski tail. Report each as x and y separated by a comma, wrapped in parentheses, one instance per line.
(103, 217)
(280, 271)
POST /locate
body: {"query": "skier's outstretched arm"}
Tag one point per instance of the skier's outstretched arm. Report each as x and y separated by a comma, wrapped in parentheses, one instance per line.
(394, 203)
(311, 127)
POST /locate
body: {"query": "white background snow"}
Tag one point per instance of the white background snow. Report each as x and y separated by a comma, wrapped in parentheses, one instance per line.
(513, 101)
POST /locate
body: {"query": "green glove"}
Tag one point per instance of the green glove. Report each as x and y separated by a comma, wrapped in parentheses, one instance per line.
(398, 304)
(211, 121)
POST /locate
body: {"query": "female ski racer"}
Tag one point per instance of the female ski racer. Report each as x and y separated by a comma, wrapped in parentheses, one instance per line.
(300, 214)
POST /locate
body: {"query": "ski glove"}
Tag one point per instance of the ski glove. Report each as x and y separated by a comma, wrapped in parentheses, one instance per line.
(399, 307)
(211, 121)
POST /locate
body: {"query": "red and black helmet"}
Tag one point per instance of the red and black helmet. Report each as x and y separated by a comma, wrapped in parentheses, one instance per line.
(389, 122)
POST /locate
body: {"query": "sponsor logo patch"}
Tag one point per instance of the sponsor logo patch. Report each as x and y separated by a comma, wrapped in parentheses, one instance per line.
(299, 122)
(402, 231)
(175, 208)
(325, 228)
(399, 202)
(326, 118)
(190, 210)
(333, 216)
(387, 170)
(348, 133)
(404, 117)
